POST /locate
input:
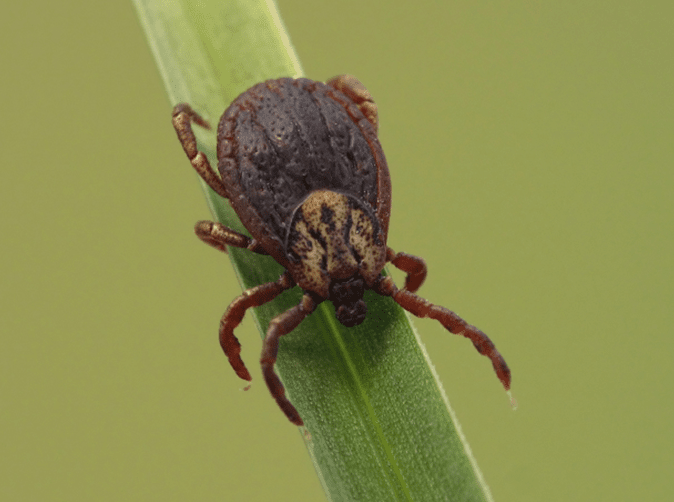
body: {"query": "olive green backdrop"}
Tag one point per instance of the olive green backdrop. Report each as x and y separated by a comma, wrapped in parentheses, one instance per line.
(531, 147)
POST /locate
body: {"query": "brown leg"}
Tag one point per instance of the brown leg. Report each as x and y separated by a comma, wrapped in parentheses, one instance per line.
(356, 92)
(219, 236)
(282, 325)
(414, 266)
(253, 297)
(183, 116)
(423, 308)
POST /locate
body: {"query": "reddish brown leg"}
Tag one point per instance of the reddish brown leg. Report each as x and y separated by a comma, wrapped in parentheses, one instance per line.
(253, 297)
(282, 325)
(219, 236)
(423, 308)
(414, 266)
(356, 92)
(183, 116)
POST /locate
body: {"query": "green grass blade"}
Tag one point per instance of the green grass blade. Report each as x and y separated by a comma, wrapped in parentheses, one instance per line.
(381, 427)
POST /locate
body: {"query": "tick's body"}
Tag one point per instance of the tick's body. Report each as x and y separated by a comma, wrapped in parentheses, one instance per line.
(301, 165)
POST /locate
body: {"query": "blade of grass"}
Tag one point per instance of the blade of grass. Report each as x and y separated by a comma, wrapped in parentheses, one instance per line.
(380, 425)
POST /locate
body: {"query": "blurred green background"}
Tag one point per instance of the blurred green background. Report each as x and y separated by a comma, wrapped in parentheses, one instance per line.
(531, 147)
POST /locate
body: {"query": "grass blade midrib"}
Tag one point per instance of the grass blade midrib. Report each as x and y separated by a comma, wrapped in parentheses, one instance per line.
(367, 413)
(329, 318)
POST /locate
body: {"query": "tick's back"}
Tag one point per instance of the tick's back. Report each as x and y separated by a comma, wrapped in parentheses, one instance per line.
(291, 137)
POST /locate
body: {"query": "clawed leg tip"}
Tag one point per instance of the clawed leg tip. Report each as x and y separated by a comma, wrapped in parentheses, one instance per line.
(244, 375)
(505, 380)
(290, 412)
(513, 401)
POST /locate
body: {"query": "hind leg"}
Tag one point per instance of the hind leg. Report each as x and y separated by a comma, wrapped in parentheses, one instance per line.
(356, 92)
(183, 116)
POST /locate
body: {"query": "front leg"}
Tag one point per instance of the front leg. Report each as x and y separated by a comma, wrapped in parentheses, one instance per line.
(253, 297)
(451, 321)
(282, 325)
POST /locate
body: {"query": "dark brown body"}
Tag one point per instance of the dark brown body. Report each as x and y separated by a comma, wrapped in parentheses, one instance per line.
(301, 165)
(297, 136)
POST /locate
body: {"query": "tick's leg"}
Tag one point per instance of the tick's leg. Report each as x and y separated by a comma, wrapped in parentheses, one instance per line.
(183, 116)
(253, 297)
(354, 90)
(414, 266)
(282, 325)
(423, 308)
(219, 236)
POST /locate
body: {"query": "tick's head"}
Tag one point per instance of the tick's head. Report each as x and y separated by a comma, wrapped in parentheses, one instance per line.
(347, 296)
(336, 249)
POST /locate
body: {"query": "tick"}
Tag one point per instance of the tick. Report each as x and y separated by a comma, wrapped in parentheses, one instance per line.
(301, 164)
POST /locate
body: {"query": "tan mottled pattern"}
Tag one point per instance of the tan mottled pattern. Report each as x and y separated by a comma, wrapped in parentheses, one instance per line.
(325, 248)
